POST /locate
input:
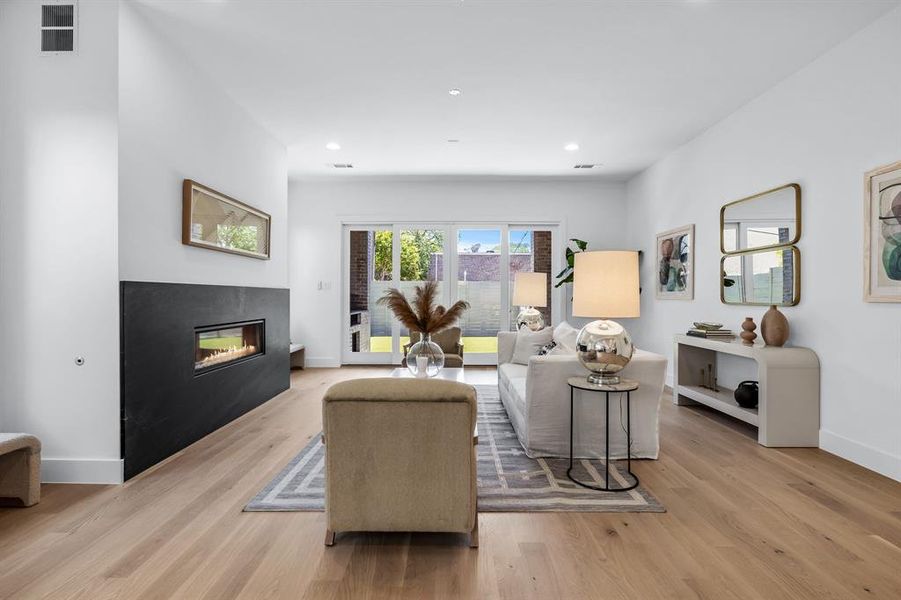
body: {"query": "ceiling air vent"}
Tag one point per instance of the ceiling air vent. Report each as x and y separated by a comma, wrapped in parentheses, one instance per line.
(583, 166)
(58, 26)
(343, 166)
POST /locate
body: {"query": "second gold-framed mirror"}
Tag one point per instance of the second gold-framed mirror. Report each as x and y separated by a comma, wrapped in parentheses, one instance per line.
(766, 220)
(762, 277)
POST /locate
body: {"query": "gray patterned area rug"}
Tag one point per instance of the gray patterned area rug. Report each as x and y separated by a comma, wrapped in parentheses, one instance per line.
(509, 481)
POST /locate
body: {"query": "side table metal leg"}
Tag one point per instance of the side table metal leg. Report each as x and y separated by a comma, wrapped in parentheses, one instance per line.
(570, 430)
(607, 441)
(629, 432)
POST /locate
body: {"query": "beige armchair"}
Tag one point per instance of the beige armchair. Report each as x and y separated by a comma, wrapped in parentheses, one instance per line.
(450, 343)
(400, 456)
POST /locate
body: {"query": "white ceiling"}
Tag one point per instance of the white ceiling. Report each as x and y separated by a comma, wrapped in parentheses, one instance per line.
(627, 81)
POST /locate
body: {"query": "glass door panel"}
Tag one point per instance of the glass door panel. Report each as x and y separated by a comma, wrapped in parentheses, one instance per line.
(367, 325)
(531, 251)
(478, 281)
(422, 258)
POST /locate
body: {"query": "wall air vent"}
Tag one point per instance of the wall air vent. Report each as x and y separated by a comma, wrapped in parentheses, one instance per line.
(59, 31)
(343, 166)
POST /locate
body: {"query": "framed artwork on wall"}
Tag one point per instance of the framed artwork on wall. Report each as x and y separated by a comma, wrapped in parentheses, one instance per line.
(882, 234)
(674, 275)
(215, 221)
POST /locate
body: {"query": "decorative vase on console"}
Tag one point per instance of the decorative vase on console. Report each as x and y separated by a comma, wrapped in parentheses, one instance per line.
(425, 358)
(747, 333)
(774, 327)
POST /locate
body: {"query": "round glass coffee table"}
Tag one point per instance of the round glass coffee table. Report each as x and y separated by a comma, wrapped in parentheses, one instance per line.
(625, 386)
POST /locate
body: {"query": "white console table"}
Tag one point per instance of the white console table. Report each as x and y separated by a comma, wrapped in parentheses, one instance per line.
(788, 410)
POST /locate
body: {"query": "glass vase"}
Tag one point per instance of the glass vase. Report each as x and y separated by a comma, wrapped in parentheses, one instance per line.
(425, 358)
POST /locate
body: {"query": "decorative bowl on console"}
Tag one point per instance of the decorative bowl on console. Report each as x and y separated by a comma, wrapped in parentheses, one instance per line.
(707, 325)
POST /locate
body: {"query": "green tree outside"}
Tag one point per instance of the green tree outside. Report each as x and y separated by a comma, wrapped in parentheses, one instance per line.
(416, 250)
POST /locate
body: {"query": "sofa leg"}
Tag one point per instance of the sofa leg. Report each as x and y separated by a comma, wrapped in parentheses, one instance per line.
(329, 537)
(474, 535)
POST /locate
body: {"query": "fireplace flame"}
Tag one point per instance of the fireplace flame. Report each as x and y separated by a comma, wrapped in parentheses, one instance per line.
(226, 355)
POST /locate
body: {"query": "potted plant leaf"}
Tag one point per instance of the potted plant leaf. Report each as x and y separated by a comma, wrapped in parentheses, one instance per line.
(566, 275)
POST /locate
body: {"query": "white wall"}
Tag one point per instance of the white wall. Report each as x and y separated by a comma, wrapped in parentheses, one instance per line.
(58, 237)
(822, 128)
(588, 210)
(175, 125)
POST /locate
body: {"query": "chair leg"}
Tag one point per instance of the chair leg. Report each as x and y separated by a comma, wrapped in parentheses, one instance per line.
(329, 537)
(474, 535)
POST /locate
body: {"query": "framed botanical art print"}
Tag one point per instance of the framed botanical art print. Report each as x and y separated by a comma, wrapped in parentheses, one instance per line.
(882, 234)
(675, 266)
(215, 221)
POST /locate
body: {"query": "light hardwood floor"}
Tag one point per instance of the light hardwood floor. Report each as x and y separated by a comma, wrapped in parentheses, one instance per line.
(742, 521)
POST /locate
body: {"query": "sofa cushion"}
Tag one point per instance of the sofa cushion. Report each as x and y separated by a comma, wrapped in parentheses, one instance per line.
(508, 372)
(565, 335)
(529, 343)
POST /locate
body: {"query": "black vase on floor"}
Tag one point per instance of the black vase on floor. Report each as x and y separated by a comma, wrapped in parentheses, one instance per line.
(746, 394)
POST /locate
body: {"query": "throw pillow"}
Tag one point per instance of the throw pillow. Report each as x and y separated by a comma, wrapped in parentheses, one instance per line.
(528, 343)
(547, 348)
(561, 351)
(565, 335)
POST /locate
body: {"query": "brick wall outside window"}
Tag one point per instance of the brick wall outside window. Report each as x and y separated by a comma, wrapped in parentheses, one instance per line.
(360, 245)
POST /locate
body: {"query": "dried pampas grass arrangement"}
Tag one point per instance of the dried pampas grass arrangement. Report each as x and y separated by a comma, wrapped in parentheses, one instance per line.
(424, 315)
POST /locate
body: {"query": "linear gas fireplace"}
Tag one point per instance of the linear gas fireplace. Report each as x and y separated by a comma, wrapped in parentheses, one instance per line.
(176, 389)
(218, 346)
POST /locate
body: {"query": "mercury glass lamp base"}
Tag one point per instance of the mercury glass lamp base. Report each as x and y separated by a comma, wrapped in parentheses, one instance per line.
(531, 318)
(602, 379)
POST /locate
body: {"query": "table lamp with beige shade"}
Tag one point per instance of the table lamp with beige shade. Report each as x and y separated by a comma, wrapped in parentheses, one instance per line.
(529, 291)
(605, 285)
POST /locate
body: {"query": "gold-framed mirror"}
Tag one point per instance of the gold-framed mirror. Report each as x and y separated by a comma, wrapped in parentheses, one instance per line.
(762, 277)
(766, 220)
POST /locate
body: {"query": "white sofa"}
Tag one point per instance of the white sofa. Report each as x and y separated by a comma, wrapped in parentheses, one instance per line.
(536, 398)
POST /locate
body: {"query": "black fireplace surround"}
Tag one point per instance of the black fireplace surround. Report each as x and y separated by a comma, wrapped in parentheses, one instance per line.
(168, 399)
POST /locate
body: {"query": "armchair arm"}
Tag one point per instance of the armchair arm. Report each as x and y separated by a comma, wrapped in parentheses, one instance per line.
(458, 349)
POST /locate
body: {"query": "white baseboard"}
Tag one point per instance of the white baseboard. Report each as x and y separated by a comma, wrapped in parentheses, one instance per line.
(84, 470)
(874, 459)
(322, 362)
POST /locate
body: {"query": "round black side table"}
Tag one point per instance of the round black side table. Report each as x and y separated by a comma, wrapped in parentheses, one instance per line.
(626, 386)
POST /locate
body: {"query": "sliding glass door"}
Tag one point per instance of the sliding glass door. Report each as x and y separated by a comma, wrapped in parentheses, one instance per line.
(422, 258)
(478, 277)
(368, 272)
(473, 262)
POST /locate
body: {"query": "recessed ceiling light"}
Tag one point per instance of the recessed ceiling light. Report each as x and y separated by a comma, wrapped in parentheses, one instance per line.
(571, 147)
(333, 146)
(454, 92)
